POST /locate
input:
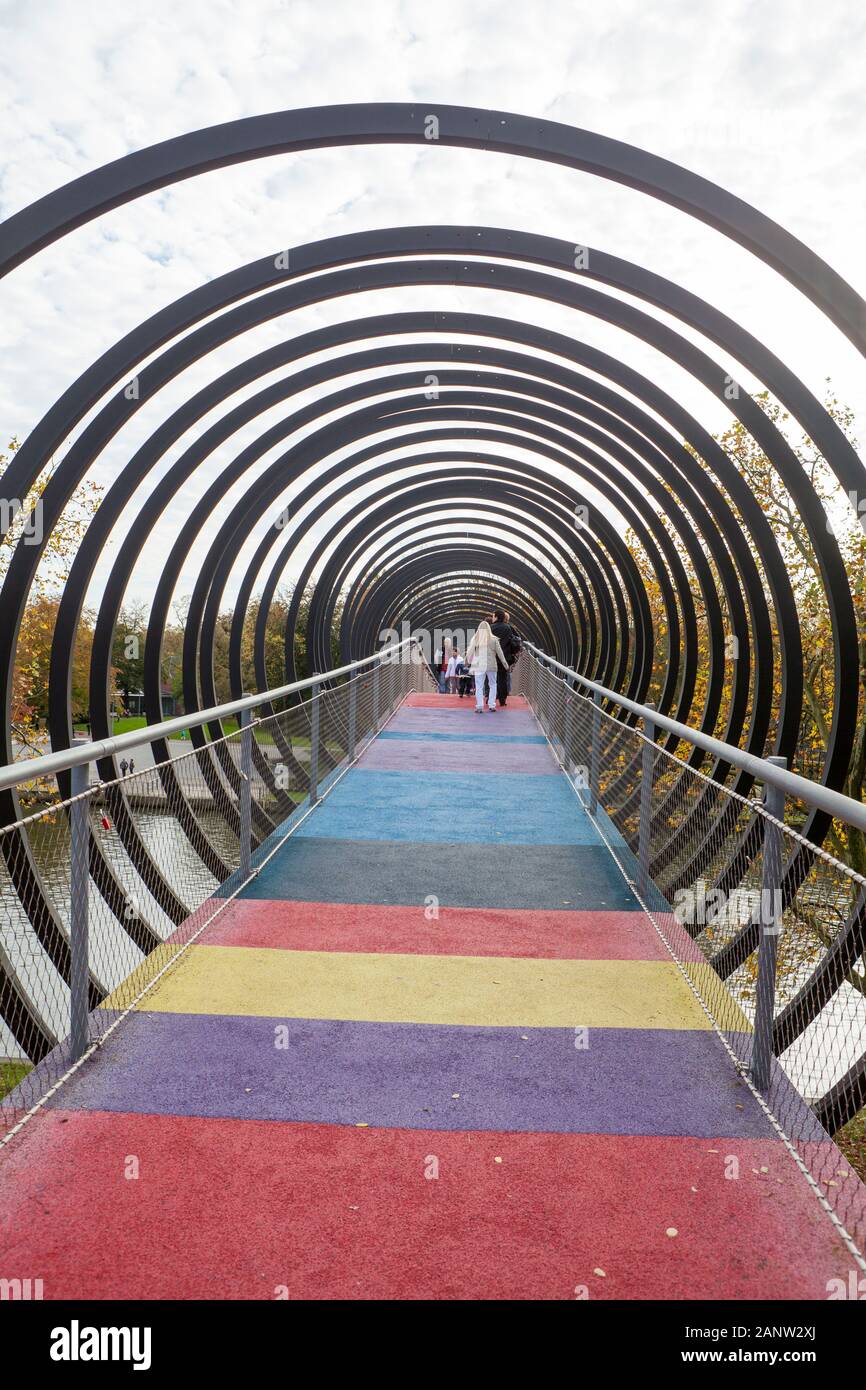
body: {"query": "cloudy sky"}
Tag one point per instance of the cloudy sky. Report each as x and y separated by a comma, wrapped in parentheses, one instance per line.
(768, 100)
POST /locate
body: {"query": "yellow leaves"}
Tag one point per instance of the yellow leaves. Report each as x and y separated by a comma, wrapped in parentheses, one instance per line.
(62, 542)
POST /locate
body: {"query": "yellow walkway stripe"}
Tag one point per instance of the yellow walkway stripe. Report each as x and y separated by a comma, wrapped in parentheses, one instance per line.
(428, 989)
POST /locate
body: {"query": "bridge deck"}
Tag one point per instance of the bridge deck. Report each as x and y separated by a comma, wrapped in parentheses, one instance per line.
(436, 1050)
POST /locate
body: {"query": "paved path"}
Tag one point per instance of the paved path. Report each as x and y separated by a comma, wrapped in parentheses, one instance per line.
(435, 1051)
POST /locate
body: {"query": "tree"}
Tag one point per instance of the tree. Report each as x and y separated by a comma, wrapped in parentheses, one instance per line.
(33, 658)
(810, 598)
(29, 681)
(825, 900)
(812, 609)
(127, 650)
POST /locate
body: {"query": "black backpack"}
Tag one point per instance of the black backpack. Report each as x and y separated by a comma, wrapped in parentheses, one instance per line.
(512, 646)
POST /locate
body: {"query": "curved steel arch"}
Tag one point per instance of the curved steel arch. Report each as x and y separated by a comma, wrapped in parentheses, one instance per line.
(414, 581)
(837, 631)
(499, 245)
(615, 577)
(431, 493)
(360, 612)
(225, 538)
(360, 595)
(402, 123)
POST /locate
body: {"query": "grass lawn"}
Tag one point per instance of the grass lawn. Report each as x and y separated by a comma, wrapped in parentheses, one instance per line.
(127, 726)
(852, 1141)
(11, 1073)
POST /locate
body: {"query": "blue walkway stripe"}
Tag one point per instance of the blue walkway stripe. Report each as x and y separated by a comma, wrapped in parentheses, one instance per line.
(457, 808)
(567, 877)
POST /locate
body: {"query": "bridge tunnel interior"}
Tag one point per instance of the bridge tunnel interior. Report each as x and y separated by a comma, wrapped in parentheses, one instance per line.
(424, 466)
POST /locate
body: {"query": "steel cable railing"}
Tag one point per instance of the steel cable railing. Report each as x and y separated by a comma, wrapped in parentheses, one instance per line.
(713, 867)
(102, 890)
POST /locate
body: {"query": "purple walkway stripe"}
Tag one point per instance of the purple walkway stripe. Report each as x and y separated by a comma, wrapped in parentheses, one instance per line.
(625, 1081)
(425, 755)
(420, 721)
(436, 737)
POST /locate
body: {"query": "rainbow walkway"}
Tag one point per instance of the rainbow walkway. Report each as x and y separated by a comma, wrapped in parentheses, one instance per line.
(436, 1051)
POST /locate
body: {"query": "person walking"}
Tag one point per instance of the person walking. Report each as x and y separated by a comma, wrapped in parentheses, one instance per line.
(452, 671)
(483, 656)
(511, 645)
(440, 666)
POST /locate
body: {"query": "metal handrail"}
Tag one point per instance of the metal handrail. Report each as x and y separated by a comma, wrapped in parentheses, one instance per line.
(81, 753)
(836, 804)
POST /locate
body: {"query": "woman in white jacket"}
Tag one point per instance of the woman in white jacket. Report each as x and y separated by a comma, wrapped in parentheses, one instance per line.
(481, 658)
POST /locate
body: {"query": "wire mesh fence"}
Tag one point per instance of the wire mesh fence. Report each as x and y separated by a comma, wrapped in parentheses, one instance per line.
(101, 892)
(768, 928)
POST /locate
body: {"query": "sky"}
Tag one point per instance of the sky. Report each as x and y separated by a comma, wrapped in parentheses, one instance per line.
(767, 100)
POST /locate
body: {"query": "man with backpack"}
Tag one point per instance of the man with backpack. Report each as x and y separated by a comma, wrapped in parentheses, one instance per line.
(512, 645)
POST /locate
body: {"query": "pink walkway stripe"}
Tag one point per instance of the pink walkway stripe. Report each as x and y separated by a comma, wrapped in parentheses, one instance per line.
(463, 931)
(243, 1209)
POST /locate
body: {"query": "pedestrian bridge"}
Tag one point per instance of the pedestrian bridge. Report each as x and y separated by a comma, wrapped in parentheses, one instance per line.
(346, 990)
(436, 1047)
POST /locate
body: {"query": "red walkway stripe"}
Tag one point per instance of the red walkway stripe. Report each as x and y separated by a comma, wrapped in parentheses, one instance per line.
(459, 931)
(423, 699)
(339, 1213)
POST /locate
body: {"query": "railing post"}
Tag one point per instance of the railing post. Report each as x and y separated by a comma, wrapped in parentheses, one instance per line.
(353, 718)
(408, 656)
(388, 681)
(79, 912)
(770, 927)
(314, 744)
(568, 726)
(548, 691)
(245, 807)
(594, 753)
(551, 708)
(376, 674)
(646, 799)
